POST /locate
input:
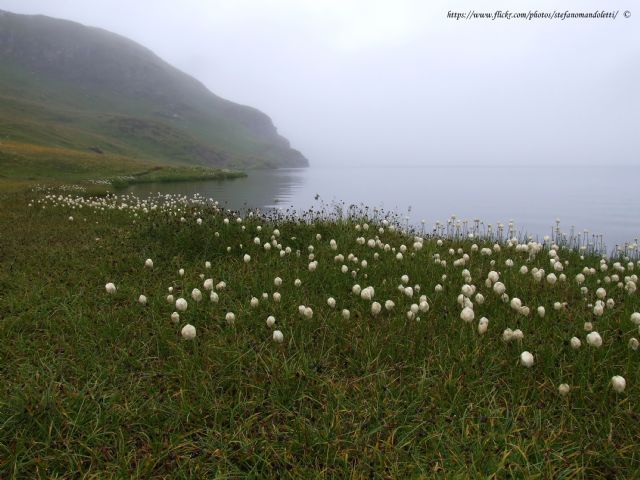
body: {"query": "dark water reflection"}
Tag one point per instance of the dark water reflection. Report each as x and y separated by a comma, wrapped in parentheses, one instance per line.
(602, 200)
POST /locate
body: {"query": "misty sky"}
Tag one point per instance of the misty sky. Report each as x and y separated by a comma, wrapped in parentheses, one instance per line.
(381, 82)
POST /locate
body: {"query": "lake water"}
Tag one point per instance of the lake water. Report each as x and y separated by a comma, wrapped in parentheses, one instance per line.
(602, 200)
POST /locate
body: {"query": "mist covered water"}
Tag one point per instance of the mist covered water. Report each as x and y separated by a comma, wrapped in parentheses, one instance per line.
(600, 199)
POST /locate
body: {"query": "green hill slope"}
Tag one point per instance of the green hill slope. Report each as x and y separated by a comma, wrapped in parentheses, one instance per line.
(69, 86)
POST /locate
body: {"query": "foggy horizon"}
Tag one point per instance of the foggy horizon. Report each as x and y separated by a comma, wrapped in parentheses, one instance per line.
(371, 83)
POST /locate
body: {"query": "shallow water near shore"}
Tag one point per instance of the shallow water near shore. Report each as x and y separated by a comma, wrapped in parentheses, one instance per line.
(603, 200)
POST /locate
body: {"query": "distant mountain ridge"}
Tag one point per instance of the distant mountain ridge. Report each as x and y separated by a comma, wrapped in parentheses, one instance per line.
(68, 85)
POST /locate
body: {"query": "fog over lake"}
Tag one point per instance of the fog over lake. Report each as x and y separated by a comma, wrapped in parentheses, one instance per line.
(600, 199)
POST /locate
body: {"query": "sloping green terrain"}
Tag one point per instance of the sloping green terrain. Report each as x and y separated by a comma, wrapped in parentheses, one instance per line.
(64, 85)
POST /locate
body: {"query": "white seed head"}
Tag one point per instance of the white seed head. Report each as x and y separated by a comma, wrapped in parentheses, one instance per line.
(526, 359)
(618, 383)
(188, 332)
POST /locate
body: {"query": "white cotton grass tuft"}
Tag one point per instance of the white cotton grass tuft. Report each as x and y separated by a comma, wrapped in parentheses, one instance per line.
(375, 308)
(148, 263)
(175, 317)
(230, 318)
(181, 304)
(526, 359)
(575, 343)
(188, 332)
(278, 337)
(196, 294)
(618, 383)
(142, 300)
(346, 314)
(271, 321)
(507, 335)
(110, 288)
(594, 339)
(331, 302)
(367, 293)
(483, 325)
(564, 389)
(467, 315)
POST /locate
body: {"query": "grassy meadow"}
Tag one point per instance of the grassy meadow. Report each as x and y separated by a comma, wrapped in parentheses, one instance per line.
(30, 163)
(111, 385)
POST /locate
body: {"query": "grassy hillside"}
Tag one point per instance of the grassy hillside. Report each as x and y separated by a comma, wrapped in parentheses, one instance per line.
(98, 385)
(84, 89)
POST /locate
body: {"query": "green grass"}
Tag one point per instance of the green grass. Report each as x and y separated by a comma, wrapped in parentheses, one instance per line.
(98, 386)
(20, 162)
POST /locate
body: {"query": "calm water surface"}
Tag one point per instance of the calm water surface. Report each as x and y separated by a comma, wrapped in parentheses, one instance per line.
(602, 200)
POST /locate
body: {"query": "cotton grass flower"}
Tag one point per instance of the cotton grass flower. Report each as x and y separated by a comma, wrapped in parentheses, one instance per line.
(526, 359)
(110, 288)
(181, 304)
(367, 294)
(278, 337)
(331, 302)
(575, 343)
(196, 294)
(188, 332)
(346, 314)
(389, 305)
(148, 263)
(594, 339)
(507, 335)
(499, 288)
(230, 318)
(308, 313)
(142, 300)
(254, 302)
(277, 297)
(467, 315)
(271, 321)
(564, 389)
(483, 325)
(618, 383)
(175, 317)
